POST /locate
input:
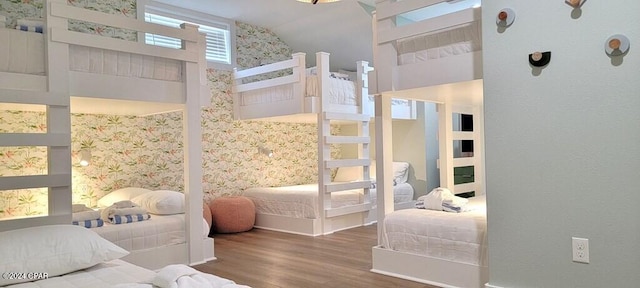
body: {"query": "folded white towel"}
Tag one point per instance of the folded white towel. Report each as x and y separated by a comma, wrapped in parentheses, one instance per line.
(85, 215)
(79, 208)
(442, 199)
(122, 208)
(182, 276)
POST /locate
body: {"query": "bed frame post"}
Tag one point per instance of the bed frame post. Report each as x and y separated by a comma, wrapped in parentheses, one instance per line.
(384, 160)
(58, 116)
(192, 135)
(445, 136)
(384, 53)
(324, 150)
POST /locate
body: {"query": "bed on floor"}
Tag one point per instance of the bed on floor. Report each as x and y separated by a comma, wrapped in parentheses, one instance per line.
(67, 256)
(294, 209)
(440, 248)
(437, 60)
(60, 71)
(154, 234)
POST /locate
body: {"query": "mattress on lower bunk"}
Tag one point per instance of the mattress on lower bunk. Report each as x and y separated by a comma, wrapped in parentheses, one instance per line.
(341, 92)
(457, 237)
(103, 275)
(402, 192)
(298, 201)
(158, 231)
(456, 41)
(24, 53)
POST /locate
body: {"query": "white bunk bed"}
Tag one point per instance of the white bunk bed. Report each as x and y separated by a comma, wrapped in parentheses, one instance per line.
(450, 76)
(295, 97)
(60, 67)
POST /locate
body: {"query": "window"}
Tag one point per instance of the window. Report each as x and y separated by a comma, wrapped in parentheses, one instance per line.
(219, 34)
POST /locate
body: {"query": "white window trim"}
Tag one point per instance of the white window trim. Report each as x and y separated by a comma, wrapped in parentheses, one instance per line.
(155, 7)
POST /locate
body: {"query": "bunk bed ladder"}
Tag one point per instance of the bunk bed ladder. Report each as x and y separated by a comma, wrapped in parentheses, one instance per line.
(461, 168)
(52, 93)
(352, 215)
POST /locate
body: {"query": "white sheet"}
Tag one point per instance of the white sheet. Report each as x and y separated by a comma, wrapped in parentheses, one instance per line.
(457, 237)
(442, 44)
(23, 52)
(158, 231)
(402, 192)
(299, 201)
(340, 92)
(103, 275)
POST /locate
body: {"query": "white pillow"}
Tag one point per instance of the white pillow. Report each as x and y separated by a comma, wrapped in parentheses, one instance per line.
(400, 172)
(53, 249)
(161, 202)
(127, 193)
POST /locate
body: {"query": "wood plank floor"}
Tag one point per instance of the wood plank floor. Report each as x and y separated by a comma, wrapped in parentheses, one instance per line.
(268, 259)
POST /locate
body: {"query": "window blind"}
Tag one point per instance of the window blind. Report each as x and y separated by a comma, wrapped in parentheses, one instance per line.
(218, 42)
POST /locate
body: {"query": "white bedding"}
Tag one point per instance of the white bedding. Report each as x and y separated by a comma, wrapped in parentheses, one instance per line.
(23, 52)
(158, 231)
(103, 275)
(340, 92)
(299, 201)
(443, 44)
(457, 237)
(402, 192)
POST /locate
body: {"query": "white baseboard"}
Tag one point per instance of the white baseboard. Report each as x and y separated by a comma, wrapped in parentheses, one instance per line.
(491, 286)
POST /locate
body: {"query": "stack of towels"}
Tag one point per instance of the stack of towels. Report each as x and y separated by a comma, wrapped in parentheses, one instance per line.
(441, 199)
(124, 212)
(85, 216)
(119, 213)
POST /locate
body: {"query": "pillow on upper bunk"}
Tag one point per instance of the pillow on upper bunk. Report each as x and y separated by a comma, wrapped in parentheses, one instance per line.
(314, 71)
(161, 202)
(400, 172)
(127, 193)
(53, 249)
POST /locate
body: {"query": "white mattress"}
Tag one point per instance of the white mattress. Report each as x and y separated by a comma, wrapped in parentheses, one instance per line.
(103, 275)
(299, 201)
(457, 237)
(340, 92)
(158, 231)
(459, 40)
(402, 192)
(23, 52)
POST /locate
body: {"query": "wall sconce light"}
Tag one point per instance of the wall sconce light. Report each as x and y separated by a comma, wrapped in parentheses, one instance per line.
(265, 151)
(85, 157)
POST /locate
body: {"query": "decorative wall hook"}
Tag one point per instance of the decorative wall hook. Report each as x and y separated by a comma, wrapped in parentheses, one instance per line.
(616, 45)
(539, 59)
(505, 17)
(575, 3)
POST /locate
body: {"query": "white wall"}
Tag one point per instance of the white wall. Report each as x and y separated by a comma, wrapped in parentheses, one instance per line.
(562, 144)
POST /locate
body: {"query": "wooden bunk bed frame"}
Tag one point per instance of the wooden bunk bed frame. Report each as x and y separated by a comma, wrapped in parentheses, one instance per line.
(454, 84)
(55, 91)
(322, 112)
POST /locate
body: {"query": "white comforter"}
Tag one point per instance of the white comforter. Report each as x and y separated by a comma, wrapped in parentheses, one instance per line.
(457, 237)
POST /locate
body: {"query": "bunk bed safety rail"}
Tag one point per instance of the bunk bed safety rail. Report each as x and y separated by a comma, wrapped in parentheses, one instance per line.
(389, 46)
(188, 34)
(297, 62)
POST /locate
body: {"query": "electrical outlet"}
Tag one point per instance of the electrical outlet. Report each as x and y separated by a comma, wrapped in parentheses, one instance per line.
(580, 249)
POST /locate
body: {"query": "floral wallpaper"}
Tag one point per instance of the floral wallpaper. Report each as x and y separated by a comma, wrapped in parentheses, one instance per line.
(17, 9)
(147, 151)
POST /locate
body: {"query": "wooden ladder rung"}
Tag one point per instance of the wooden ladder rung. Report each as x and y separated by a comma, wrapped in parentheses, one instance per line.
(346, 116)
(334, 212)
(347, 140)
(336, 187)
(337, 163)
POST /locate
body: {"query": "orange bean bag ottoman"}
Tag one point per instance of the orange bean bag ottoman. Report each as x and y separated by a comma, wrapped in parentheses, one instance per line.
(232, 214)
